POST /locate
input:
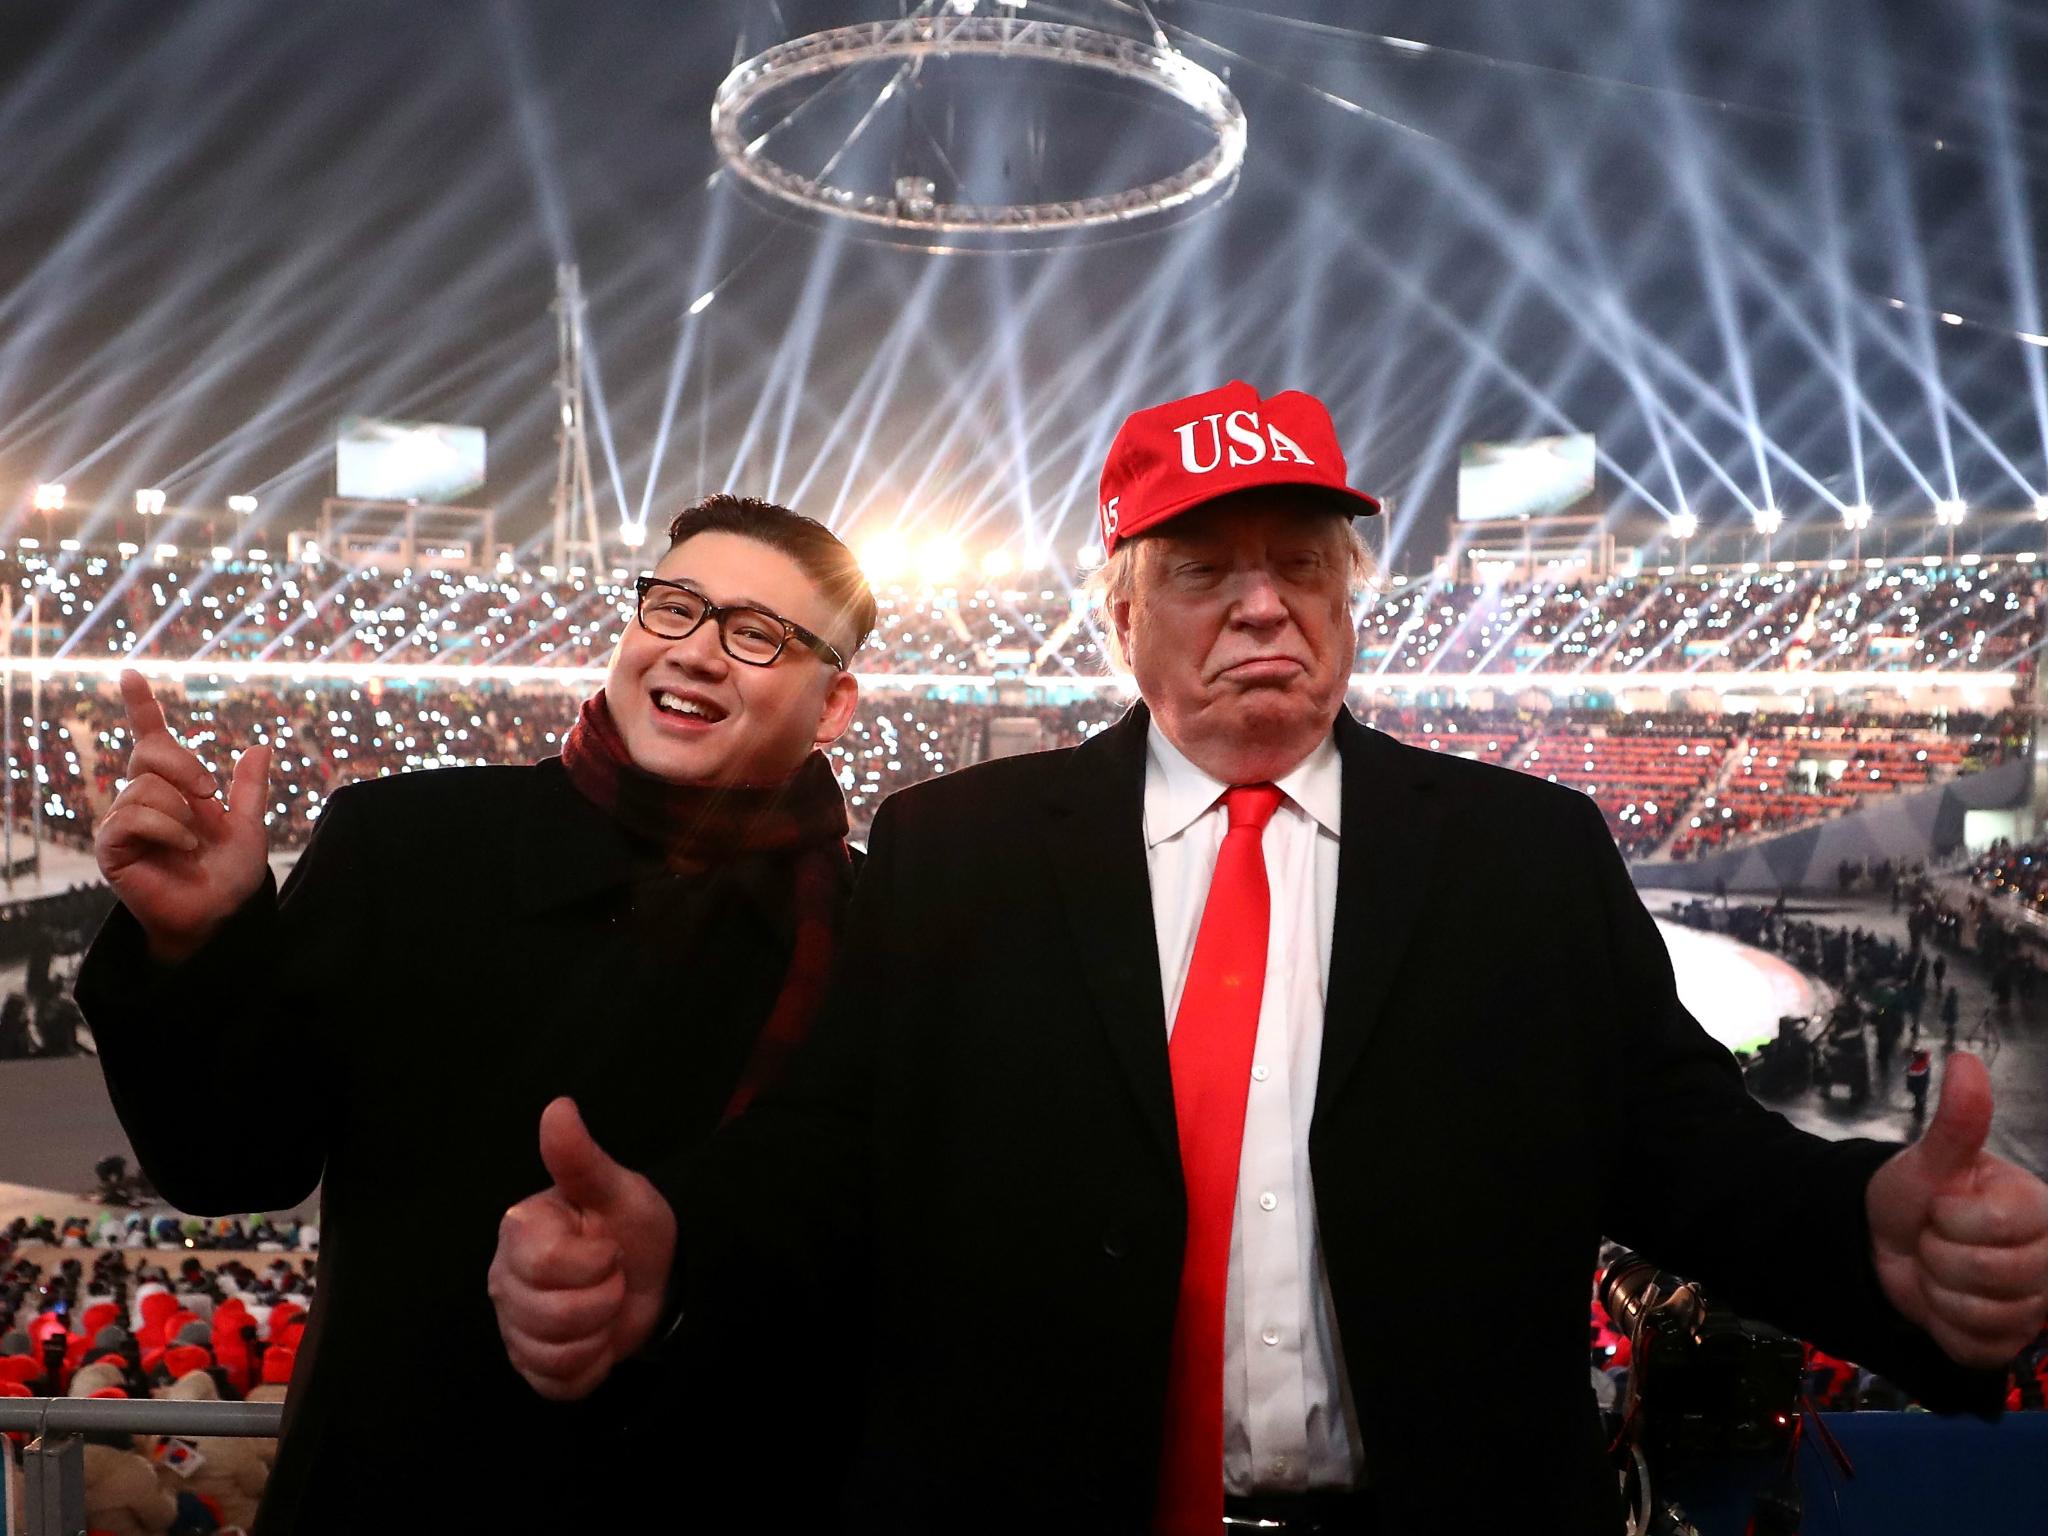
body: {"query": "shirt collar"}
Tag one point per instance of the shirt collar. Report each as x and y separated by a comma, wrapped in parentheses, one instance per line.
(1177, 793)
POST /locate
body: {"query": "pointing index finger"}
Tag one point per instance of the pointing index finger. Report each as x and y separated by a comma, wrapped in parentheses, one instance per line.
(145, 715)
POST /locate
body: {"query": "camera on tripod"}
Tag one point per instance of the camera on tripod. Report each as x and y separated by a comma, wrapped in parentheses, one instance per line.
(1704, 1385)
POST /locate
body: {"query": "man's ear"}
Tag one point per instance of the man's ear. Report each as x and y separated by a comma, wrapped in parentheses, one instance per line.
(1119, 610)
(837, 714)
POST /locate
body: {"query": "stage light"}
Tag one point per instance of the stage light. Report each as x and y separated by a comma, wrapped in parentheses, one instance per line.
(632, 535)
(1768, 519)
(1856, 516)
(2041, 508)
(70, 546)
(128, 550)
(28, 544)
(49, 497)
(702, 302)
(1950, 510)
(167, 551)
(310, 552)
(242, 504)
(505, 565)
(885, 557)
(939, 561)
(1683, 525)
(258, 554)
(149, 503)
(2032, 340)
(997, 563)
(1948, 318)
(1090, 555)
(221, 552)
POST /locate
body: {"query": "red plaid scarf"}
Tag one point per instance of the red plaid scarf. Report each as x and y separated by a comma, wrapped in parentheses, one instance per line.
(699, 825)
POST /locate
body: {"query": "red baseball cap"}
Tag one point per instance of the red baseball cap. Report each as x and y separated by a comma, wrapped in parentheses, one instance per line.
(1173, 457)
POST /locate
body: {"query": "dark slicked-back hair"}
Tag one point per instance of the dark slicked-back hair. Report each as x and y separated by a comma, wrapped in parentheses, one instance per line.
(813, 546)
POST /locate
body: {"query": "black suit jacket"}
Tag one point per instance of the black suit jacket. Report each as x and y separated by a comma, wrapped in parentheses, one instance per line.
(453, 950)
(986, 1128)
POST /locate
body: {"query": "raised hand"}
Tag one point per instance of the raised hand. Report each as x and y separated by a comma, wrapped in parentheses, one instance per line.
(180, 860)
(581, 1270)
(1960, 1237)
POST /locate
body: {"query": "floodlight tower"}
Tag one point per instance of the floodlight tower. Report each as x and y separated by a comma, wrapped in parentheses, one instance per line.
(1949, 513)
(576, 531)
(1856, 518)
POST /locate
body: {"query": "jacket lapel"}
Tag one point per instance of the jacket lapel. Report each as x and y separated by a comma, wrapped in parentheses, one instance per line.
(1098, 859)
(1391, 815)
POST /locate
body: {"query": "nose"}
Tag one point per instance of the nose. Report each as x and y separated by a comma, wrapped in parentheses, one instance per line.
(1256, 603)
(700, 653)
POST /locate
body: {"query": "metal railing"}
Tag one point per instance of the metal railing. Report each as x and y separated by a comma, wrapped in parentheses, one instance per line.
(53, 1463)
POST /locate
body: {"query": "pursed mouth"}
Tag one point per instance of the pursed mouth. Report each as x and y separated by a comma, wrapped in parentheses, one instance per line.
(1263, 667)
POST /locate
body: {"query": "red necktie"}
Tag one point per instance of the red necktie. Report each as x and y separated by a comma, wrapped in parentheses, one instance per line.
(1211, 1056)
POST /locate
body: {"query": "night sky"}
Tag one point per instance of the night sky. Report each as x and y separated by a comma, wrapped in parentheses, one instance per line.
(1680, 226)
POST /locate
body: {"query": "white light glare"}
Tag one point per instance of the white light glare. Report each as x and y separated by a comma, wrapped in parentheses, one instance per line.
(702, 302)
(632, 535)
(997, 562)
(2032, 340)
(149, 503)
(1856, 516)
(1949, 511)
(1683, 525)
(885, 557)
(2041, 508)
(1948, 318)
(939, 561)
(49, 497)
(242, 504)
(1768, 519)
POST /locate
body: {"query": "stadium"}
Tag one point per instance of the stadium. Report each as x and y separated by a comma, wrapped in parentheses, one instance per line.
(1732, 522)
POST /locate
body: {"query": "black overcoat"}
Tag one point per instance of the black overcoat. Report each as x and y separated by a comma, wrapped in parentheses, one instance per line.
(454, 949)
(986, 1125)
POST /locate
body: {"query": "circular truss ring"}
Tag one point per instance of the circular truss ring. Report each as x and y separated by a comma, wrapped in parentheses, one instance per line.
(912, 39)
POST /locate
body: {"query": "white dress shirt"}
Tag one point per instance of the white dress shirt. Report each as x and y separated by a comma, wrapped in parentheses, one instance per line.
(1288, 1421)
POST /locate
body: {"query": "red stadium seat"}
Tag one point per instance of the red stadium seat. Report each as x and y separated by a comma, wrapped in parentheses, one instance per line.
(184, 1359)
(97, 1316)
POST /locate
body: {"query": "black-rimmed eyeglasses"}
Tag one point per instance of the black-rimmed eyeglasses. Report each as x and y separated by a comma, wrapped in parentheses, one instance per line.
(755, 636)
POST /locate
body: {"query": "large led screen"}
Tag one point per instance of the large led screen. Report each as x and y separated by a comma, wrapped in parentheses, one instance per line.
(378, 460)
(1542, 477)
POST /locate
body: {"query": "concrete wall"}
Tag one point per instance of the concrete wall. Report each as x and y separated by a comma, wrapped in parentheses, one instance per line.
(1911, 827)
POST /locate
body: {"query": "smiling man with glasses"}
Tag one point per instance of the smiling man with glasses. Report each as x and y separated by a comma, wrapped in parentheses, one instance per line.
(511, 1000)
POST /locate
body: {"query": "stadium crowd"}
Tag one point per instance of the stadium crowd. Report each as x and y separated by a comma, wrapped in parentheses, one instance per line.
(130, 1326)
(1678, 783)
(1903, 617)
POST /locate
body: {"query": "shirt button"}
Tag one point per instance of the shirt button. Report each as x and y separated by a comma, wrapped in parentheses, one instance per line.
(1260, 1074)
(1271, 1336)
(1268, 1201)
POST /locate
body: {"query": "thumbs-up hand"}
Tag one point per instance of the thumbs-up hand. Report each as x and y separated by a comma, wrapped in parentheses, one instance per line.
(581, 1270)
(179, 858)
(1960, 1237)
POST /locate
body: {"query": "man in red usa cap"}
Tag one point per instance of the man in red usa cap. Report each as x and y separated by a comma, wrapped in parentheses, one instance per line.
(1202, 1134)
